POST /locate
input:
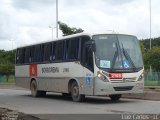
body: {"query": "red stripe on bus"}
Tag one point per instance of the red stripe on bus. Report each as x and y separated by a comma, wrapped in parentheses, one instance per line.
(33, 70)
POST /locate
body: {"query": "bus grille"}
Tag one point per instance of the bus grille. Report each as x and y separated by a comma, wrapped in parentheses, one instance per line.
(123, 88)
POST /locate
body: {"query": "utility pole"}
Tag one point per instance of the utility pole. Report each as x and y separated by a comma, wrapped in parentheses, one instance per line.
(56, 18)
(150, 31)
(150, 23)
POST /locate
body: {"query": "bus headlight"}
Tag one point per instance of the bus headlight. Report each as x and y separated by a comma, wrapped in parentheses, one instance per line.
(141, 77)
(102, 77)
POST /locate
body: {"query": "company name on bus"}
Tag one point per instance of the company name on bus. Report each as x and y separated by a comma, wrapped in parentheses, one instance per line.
(50, 70)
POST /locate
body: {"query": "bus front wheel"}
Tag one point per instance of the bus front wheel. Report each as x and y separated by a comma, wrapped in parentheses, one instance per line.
(115, 97)
(34, 90)
(75, 93)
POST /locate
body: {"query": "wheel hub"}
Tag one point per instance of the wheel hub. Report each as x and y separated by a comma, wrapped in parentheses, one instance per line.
(75, 91)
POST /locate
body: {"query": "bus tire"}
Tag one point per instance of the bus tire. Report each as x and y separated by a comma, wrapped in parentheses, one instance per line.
(115, 97)
(65, 94)
(34, 90)
(76, 97)
(42, 93)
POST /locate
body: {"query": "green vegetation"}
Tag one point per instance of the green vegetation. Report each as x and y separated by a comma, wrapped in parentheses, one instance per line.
(10, 79)
(151, 57)
(7, 62)
(68, 30)
(151, 83)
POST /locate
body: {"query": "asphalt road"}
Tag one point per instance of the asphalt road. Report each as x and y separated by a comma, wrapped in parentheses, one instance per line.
(22, 101)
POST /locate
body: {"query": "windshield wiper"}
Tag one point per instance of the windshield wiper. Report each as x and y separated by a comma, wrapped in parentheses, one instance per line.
(116, 54)
(128, 57)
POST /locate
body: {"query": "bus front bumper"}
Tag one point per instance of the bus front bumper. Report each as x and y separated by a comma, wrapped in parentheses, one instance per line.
(109, 88)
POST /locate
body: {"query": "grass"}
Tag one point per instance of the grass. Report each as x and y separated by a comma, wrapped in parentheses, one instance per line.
(152, 83)
(4, 80)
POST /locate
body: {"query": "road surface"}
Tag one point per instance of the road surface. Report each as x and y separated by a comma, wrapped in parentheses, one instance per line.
(22, 101)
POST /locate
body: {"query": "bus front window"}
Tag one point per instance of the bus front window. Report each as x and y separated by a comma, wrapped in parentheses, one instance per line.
(118, 53)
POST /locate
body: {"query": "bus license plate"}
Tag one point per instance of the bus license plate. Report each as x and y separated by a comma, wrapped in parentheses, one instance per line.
(115, 75)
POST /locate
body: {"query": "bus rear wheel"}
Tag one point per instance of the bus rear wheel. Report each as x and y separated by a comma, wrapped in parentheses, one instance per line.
(34, 90)
(115, 97)
(75, 93)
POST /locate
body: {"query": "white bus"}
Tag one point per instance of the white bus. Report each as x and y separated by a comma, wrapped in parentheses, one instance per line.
(82, 65)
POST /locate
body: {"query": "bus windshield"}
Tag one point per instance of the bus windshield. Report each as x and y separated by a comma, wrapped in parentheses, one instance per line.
(118, 53)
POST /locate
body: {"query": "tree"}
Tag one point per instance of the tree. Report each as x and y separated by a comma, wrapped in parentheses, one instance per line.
(152, 57)
(155, 42)
(7, 61)
(68, 30)
(6, 69)
(142, 47)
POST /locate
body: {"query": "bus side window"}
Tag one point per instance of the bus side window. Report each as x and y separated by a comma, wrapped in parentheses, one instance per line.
(59, 50)
(50, 51)
(74, 47)
(64, 49)
(67, 51)
(53, 51)
(88, 60)
(17, 57)
(20, 56)
(86, 54)
(47, 52)
(32, 49)
(83, 41)
(37, 54)
(27, 55)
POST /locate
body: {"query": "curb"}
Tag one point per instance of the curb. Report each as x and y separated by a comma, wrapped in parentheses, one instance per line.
(150, 93)
(3, 83)
(143, 96)
(152, 87)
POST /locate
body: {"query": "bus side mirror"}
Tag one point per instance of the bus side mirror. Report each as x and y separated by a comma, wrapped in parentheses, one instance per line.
(92, 44)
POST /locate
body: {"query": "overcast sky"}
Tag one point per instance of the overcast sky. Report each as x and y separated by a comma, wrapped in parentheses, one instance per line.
(25, 22)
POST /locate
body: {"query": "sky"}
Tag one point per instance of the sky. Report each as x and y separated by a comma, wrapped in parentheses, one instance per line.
(24, 22)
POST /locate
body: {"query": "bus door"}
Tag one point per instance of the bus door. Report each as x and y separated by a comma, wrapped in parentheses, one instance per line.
(88, 70)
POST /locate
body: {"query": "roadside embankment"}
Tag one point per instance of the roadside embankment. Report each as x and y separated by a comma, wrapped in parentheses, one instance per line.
(9, 86)
(150, 93)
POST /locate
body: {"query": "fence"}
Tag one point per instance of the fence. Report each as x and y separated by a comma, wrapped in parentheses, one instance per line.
(152, 78)
(3, 78)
